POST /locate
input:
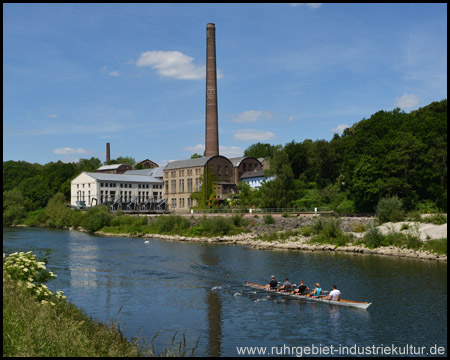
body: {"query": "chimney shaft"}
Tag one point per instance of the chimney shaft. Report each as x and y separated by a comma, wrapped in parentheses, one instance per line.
(212, 127)
(108, 158)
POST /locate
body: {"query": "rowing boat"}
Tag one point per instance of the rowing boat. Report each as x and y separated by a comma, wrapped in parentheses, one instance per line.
(341, 302)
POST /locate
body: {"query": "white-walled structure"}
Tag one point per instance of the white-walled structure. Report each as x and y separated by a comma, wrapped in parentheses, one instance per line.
(89, 189)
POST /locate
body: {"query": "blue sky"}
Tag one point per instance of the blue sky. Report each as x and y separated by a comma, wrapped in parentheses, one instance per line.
(76, 76)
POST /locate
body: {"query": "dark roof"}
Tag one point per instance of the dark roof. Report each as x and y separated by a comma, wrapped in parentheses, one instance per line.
(253, 174)
(178, 164)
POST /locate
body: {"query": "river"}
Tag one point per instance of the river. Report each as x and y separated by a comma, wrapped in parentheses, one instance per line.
(168, 288)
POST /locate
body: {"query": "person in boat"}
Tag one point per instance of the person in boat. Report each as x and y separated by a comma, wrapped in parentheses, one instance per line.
(317, 291)
(273, 284)
(287, 286)
(335, 294)
(301, 288)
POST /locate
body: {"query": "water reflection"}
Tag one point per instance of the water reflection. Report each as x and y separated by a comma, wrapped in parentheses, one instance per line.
(214, 323)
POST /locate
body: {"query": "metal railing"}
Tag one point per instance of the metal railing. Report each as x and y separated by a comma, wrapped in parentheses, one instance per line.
(263, 211)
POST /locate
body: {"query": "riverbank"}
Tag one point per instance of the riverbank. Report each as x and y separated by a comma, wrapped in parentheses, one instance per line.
(288, 234)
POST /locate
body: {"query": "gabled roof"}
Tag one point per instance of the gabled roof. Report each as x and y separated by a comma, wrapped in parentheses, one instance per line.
(155, 172)
(122, 177)
(178, 164)
(111, 167)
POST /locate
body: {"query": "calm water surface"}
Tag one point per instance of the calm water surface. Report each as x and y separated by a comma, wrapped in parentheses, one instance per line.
(197, 290)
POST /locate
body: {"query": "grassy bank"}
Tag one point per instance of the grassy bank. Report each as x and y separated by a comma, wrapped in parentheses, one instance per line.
(31, 328)
(37, 322)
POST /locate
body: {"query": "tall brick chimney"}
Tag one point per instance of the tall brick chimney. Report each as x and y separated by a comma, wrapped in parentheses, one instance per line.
(108, 157)
(212, 127)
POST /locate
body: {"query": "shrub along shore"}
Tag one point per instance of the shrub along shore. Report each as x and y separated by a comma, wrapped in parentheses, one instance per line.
(350, 235)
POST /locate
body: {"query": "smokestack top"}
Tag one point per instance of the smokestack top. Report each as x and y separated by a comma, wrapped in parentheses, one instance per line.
(108, 157)
(210, 26)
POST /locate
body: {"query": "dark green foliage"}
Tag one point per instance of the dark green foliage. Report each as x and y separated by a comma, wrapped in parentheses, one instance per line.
(217, 225)
(122, 160)
(280, 191)
(14, 207)
(260, 150)
(171, 223)
(390, 209)
(268, 219)
(57, 213)
(373, 238)
(96, 218)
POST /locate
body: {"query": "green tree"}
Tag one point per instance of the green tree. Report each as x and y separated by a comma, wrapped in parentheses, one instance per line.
(261, 150)
(37, 190)
(122, 160)
(57, 213)
(14, 207)
(88, 165)
(279, 191)
(298, 157)
(245, 194)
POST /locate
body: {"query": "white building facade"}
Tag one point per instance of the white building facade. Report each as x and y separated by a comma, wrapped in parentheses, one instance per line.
(90, 189)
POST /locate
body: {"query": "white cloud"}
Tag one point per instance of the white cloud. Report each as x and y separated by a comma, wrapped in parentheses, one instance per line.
(292, 118)
(53, 116)
(68, 150)
(339, 129)
(172, 64)
(407, 101)
(199, 149)
(251, 116)
(231, 152)
(253, 135)
(310, 5)
(113, 73)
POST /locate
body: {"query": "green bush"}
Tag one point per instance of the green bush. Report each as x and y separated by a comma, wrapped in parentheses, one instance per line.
(268, 219)
(239, 221)
(438, 246)
(76, 218)
(437, 219)
(346, 207)
(216, 225)
(171, 223)
(390, 209)
(373, 238)
(96, 218)
(57, 213)
(35, 218)
(427, 207)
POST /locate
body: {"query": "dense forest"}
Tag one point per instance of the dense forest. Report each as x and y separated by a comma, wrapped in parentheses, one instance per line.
(392, 153)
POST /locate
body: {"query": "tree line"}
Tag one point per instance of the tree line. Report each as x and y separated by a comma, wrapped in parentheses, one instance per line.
(392, 153)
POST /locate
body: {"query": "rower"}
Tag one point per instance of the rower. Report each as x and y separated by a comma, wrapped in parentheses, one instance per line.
(335, 294)
(301, 288)
(317, 291)
(273, 284)
(287, 286)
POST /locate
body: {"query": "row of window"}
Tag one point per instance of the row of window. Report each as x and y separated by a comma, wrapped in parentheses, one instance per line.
(126, 196)
(173, 173)
(125, 185)
(181, 185)
(181, 203)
